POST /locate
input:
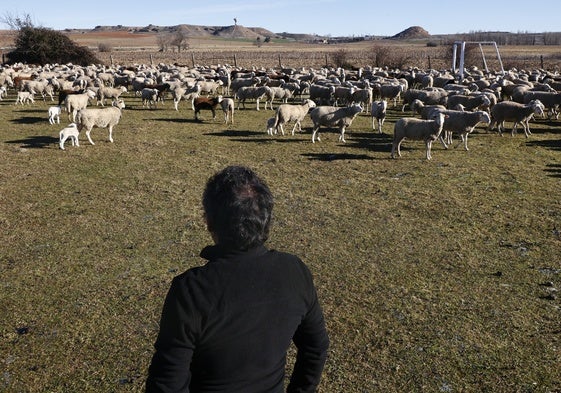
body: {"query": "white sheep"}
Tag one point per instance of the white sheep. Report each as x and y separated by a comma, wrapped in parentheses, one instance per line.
(3, 92)
(391, 91)
(70, 131)
(462, 123)
(54, 114)
(322, 95)
(76, 102)
(227, 105)
(296, 113)
(256, 93)
(179, 93)
(378, 113)
(109, 92)
(332, 116)
(89, 118)
(417, 129)
(24, 97)
(363, 97)
(515, 112)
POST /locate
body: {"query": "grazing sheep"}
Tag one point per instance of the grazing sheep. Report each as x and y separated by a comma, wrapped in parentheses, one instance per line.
(515, 112)
(296, 113)
(70, 131)
(76, 102)
(209, 86)
(236, 83)
(109, 117)
(54, 114)
(462, 123)
(378, 113)
(227, 105)
(109, 92)
(281, 94)
(332, 116)
(209, 103)
(417, 129)
(24, 97)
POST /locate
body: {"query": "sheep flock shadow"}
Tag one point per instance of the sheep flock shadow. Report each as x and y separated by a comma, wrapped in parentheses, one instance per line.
(36, 142)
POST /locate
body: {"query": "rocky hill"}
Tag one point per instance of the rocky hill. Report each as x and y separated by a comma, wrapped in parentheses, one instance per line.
(412, 33)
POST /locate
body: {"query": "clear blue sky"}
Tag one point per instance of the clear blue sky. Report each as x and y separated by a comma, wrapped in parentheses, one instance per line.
(323, 17)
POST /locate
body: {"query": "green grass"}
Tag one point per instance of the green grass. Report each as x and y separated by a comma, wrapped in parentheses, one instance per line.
(431, 273)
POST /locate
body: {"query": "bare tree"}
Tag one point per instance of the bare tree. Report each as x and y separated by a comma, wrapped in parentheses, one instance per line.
(164, 40)
(180, 39)
(16, 22)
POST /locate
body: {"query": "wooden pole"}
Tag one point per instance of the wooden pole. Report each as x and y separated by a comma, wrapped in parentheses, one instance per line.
(280, 64)
(193, 59)
(235, 60)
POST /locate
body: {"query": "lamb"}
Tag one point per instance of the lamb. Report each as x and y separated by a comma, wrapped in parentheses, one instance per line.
(378, 113)
(24, 97)
(70, 131)
(227, 105)
(271, 129)
(54, 114)
(417, 129)
(206, 103)
(3, 92)
(515, 112)
(296, 113)
(109, 117)
(109, 92)
(76, 102)
(462, 123)
(332, 116)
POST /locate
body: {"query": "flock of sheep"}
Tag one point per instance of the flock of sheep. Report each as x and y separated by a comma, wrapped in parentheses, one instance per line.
(435, 104)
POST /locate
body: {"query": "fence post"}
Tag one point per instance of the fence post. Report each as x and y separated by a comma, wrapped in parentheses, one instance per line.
(280, 64)
(151, 60)
(193, 59)
(430, 68)
(541, 61)
(235, 61)
(111, 59)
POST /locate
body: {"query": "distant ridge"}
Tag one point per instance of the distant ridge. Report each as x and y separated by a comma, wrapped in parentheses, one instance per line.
(233, 31)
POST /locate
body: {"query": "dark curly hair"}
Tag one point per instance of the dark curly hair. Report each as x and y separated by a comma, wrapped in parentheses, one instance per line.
(238, 207)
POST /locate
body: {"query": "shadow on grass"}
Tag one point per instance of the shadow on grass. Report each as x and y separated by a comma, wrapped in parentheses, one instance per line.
(553, 170)
(336, 156)
(549, 144)
(244, 133)
(30, 120)
(37, 141)
(371, 141)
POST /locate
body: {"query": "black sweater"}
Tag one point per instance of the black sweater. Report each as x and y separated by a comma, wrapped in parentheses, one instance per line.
(226, 326)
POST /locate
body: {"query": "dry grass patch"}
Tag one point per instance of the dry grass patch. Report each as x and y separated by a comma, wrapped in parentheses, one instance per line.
(434, 276)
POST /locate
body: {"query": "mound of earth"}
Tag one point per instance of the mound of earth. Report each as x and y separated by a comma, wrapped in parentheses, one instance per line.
(412, 32)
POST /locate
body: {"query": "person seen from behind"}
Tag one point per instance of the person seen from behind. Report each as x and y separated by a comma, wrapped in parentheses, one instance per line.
(226, 326)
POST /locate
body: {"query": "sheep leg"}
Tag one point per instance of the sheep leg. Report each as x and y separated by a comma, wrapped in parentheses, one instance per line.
(314, 133)
(89, 137)
(342, 135)
(428, 146)
(111, 133)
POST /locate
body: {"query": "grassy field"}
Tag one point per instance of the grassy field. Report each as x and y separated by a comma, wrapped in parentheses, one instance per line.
(435, 276)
